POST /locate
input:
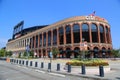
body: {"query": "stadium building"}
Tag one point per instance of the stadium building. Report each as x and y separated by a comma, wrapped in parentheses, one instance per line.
(72, 35)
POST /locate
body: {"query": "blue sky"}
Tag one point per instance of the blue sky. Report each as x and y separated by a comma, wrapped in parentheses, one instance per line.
(41, 12)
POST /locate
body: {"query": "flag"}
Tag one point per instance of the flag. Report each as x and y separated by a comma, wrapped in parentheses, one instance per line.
(93, 14)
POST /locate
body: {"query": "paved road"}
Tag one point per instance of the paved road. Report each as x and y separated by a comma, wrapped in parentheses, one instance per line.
(15, 72)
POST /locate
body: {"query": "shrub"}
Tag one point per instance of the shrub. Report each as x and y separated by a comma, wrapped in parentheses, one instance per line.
(93, 62)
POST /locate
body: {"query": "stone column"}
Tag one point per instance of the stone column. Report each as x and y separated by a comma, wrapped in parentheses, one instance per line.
(72, 55)
(105, 34)
(51, 37)
(41, 53)
(31, 42)
(38, 40)
(72, 36)
(90, 34)
(98, 34)
(64, 53)
(42, 39)
(46, 39)
(35, 41)
(64, 35)
(58, 42)
(46, 53)
(80, 32)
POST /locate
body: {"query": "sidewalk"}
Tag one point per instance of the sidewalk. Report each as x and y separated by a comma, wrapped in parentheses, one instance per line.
(113, 74)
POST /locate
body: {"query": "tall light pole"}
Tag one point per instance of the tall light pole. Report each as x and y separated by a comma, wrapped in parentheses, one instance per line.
(83, 54)
(27, 50)
(83, 46)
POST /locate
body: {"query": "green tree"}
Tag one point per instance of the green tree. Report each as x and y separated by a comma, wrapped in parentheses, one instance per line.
(8, 53)
(115, 52)
(2, 53)
(19, 56)
(25, 54)
(31, 53)
(55, 51)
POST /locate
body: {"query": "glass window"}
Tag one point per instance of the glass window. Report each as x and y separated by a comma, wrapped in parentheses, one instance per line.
(85, 27)
(44, 43)
(85, 32)
(93, 27)
(67, 29)
(40, 40)
(76, 33)
(36, 41)
(68, 34)
(54, 37)
(61, 30)
(76, 28)
(106, 30)
(61, 35)
(49, 38)
(101, 28)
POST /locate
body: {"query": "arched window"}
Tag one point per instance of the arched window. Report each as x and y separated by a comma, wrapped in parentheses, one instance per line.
(61, 35)
(36, 41)
(102, 38)
(85, 32)
(76, 33)
(94, 27)
(94, 32)
(44, 41)
(49, 38)
(68, 34)
(32, 42)
(40, 40)
(107, 34)
(54, 37)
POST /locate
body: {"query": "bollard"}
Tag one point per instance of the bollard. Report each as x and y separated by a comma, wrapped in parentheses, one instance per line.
(17, 61)
(42, 65)
(101, 71)
(30, 63)
(14, 60)
(49, 67)
(36, 64)
(83, 69)
(26, 63)
(58, 67)
(69, 68)
(23, 62)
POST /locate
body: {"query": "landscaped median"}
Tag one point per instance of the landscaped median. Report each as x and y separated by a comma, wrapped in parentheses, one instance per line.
(88, 62)
(91, 65)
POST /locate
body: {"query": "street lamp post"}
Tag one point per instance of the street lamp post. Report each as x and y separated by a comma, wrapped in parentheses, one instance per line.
(27, 50)
(83, 46)
(50, 55)
(83, 54)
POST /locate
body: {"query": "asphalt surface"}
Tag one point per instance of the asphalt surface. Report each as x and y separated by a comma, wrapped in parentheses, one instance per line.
(16, 71)
(10, 71)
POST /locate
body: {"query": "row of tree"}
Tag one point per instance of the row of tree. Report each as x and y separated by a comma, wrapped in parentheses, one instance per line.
(4, 53)
(55, 51)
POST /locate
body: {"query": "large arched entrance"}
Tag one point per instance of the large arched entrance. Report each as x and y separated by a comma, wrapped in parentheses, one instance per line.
(61, 53)
(39, 53)
(68, 52)
(109, 52)
(96, 51)
(44, 55)
(76, 52)
(103, 52)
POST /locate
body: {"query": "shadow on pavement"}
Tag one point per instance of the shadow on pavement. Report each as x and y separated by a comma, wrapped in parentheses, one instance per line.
(118, 78)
